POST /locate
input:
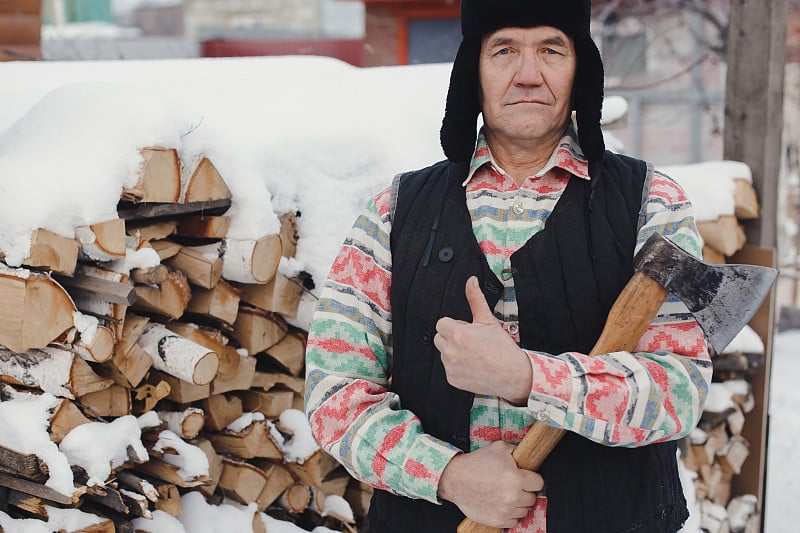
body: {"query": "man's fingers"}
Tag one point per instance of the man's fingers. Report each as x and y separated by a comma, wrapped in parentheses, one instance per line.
(477, 302)
(532, 482)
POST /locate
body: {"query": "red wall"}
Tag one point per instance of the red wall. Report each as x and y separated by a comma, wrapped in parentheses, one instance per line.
(349, 50)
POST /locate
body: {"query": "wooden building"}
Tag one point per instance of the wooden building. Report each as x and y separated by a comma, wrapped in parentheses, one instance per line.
(20, 29)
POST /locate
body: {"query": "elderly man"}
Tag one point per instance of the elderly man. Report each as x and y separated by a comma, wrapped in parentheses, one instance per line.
(465, 299)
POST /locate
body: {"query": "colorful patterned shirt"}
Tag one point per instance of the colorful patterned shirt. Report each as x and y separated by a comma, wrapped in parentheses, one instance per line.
(653, 394)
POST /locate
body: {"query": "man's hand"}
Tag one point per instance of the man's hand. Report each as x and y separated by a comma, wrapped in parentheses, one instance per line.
(479, 356)
(488, 486)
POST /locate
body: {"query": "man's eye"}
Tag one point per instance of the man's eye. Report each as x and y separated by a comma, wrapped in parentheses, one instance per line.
(550, 51)
(504, 51)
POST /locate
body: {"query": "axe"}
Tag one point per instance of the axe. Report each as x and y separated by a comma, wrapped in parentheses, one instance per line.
(723, 298)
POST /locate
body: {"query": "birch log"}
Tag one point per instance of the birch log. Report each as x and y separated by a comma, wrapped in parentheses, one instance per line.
(59, 372)
(251, 261)
(178, 356)
(104, 241)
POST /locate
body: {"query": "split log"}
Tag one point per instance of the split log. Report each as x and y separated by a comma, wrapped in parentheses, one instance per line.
(142, 212)
(59, 372)
(205, 183)
(269, 380)
(220, 410)
(336, 482)
(52, 252)
(253, 441)
(169, 498)
(178, 356)
(251, 261)
(97, 349)
(215, 467)
(745, 200)
(201, 264)
(155, 275)
(296, 498)
(166, 249)
(219, 303)
(137, 483)
(313, 470)
(712, 256)
(104, 241)
(34, 309)
(186, 424)
(168, 299)
(153, 231)
(159, 178)
(281, 295)
(733, 455)
(113, 401)
(257, 330)
(278, 480)
(27, 466)
(358, 495)
(237, 377)
(203, 227)
(164, 471)
(270, 404)
(90, 286)
(130, 368)
(290, 352)
(241, 481)
(38, 490)
(724, 234)
(180, 391)
(148, 395)
(289, 234)
(66, 417)
(32, 505)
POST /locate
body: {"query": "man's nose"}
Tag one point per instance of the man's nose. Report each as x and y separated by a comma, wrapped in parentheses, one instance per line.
(529, 71)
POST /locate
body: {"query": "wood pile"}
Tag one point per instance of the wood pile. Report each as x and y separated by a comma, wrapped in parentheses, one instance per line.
(199, 338)
(716, 451)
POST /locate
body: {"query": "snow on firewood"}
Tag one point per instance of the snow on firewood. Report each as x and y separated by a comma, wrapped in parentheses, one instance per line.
(710, 185)
(100, 447)
(200, 517)
(86, 326)
(301, 445)
(58, 520)
(338, 507)
(244, 421)
(160, 522)
(142, 258)
(746, 341)
(191, 461)
(149, 420)
(24, 422)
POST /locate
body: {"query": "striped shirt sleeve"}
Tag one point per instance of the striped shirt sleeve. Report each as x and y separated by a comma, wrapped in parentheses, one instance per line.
(653, 394)
(353, 414)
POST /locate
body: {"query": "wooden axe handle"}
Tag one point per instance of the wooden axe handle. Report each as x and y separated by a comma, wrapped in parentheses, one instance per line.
(631, 314)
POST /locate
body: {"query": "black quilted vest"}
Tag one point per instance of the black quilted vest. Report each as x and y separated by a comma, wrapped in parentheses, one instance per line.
(566, 278)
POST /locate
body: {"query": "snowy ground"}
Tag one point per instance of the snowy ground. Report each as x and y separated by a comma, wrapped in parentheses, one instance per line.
(783, 459)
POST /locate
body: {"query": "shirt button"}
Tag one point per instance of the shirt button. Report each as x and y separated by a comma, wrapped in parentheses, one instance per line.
(518, 209)
(513, 328)
(542, 416)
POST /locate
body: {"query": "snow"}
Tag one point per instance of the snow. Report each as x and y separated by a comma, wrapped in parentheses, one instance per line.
(100, 447)
(191, 461)
(161, 522)
(24, 422)
(58, 520)
(305, 134)
(338, 507)
(244, 421)
(746, 341)
(86, 326)
(614, 108)
(301, 445)
(143, 258)
(200, 517)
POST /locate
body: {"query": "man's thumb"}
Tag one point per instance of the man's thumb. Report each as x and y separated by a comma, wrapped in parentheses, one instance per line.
(477, 302)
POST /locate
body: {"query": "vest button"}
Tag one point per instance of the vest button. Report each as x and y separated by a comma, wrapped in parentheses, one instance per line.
(446, 254)
(513, 328)
(426, 338)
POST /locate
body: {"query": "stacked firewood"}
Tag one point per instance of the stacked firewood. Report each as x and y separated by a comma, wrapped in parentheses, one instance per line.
(160, 315)
(724, 198)
(716, 449)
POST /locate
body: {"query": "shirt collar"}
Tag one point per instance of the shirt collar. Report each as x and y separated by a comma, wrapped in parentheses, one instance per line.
(567, 156)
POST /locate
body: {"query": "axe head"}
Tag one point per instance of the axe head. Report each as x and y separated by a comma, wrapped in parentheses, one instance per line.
(723, 298)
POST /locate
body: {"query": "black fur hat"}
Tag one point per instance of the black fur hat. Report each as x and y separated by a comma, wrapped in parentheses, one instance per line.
(482, 17)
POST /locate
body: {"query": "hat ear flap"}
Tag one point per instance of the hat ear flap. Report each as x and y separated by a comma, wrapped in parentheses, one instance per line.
(459, 126)
(588, 99)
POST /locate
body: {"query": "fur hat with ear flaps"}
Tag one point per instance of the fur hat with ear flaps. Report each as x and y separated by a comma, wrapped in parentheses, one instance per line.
(482, 17)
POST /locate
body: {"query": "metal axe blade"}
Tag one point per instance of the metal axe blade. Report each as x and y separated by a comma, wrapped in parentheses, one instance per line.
(723, 298)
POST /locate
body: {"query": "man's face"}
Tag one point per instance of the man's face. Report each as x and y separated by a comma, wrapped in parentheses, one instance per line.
(526, 77)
